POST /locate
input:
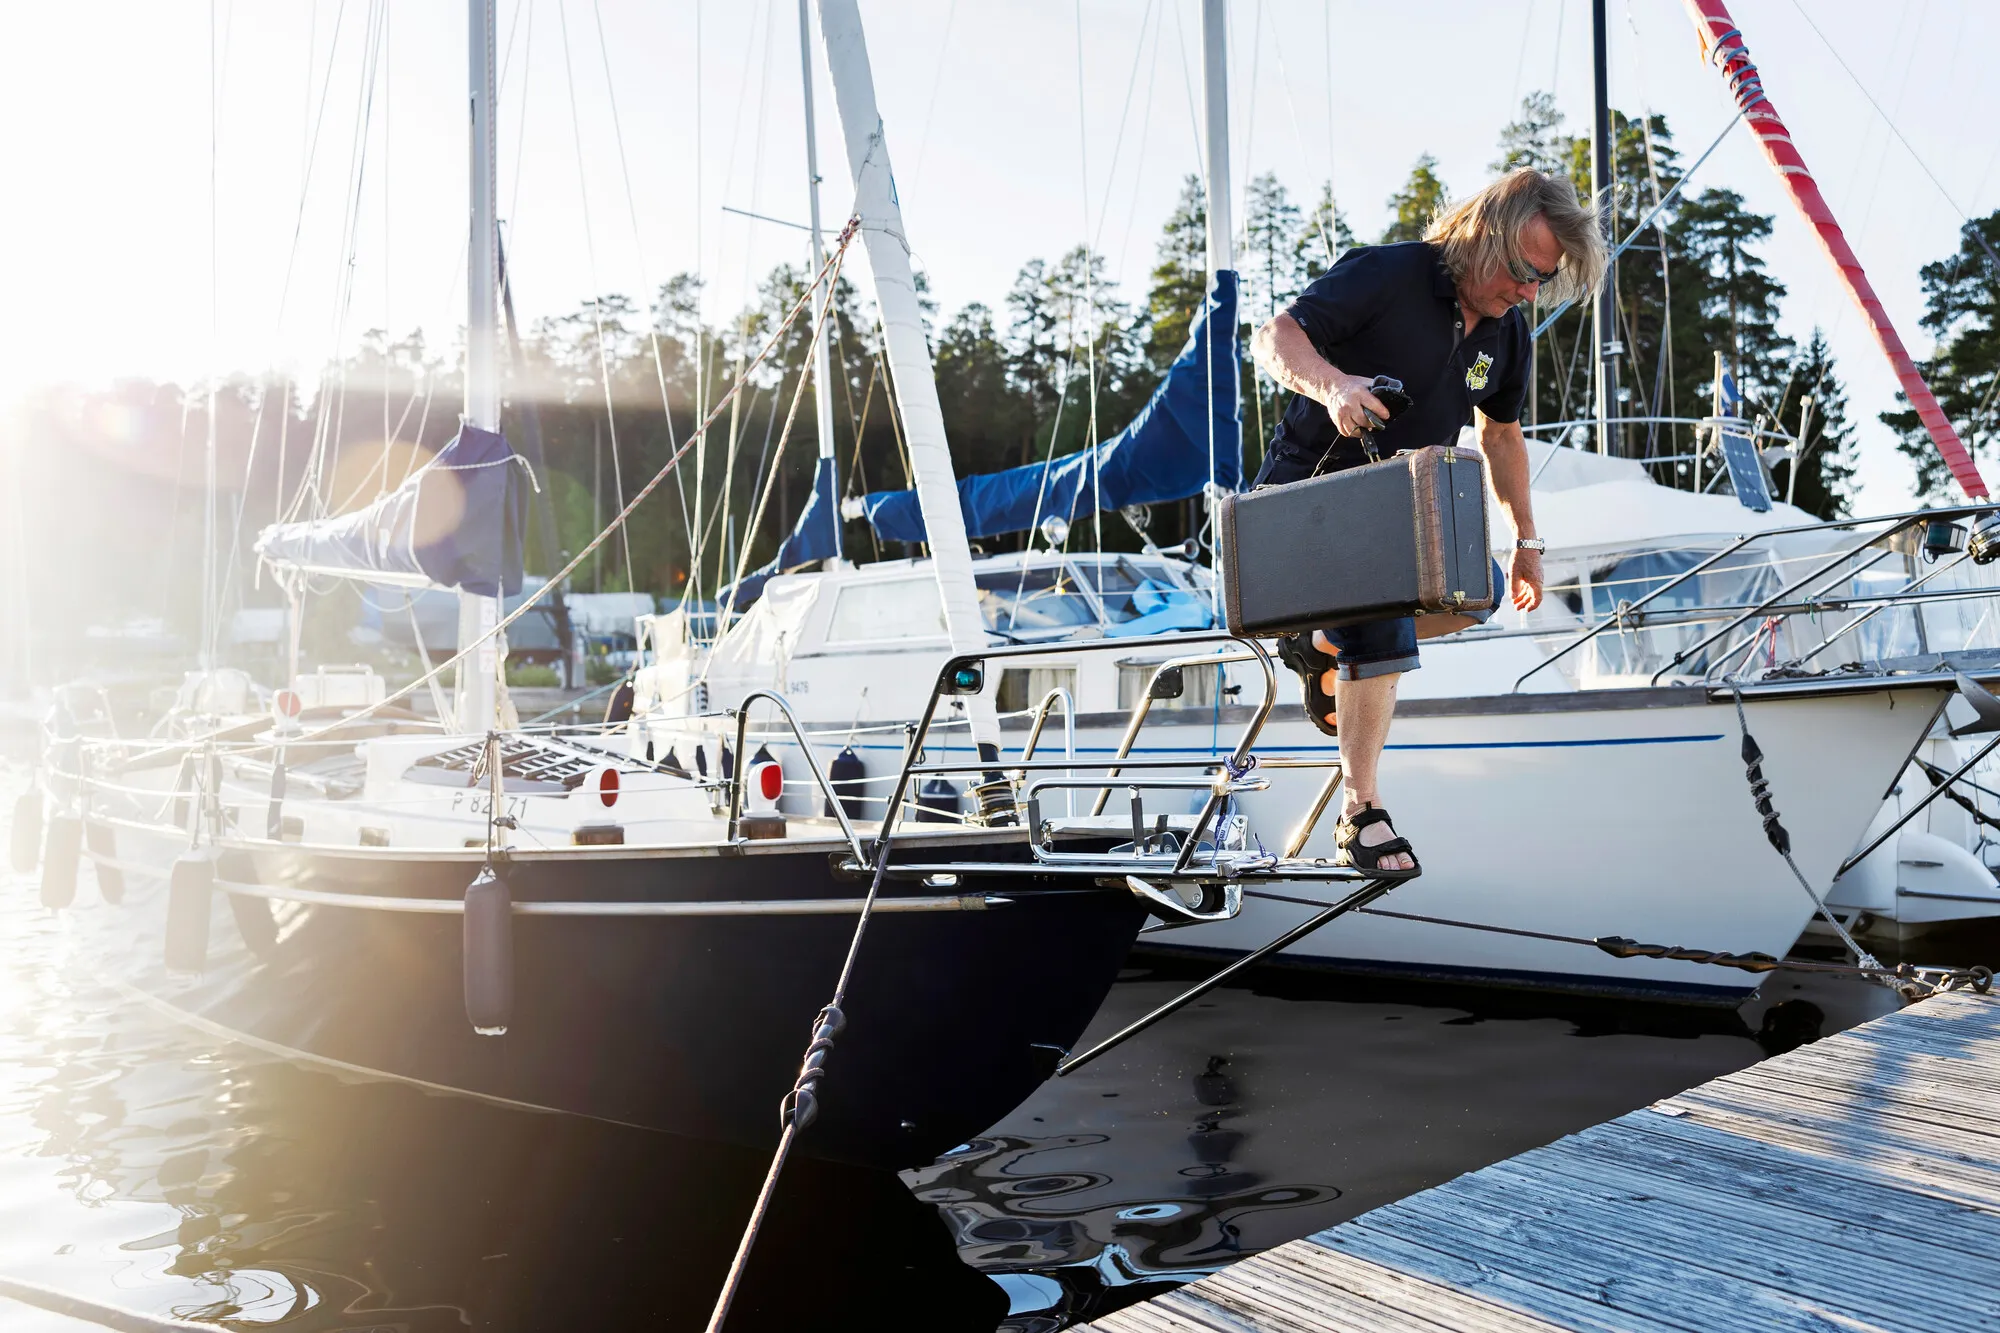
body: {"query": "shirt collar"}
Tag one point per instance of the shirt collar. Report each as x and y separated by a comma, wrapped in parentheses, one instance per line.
(1442, 284)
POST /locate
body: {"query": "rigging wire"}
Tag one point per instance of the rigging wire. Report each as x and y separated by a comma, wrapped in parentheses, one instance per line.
(830, 272)
(1900, 137)
(736, 412)
(326, 423)
(645, 278)
(1145, 136)
(930, 106)
(1090, 317)
(596, 301)
(309, 133)
(1118, 142)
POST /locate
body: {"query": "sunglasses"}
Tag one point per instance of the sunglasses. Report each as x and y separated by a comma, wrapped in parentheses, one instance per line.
(1523, 271)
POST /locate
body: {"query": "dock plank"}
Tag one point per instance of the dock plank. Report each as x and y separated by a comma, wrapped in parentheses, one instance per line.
(1785, 1194)
(1851, 1185)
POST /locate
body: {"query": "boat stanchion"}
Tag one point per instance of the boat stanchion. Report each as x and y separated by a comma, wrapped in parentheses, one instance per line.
(489, 954)
(27, 830)
(190, 889)
(61, 849)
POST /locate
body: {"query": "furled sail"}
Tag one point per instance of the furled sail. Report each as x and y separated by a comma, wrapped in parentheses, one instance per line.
(814, 537)
(1187, 435)
(1722, 45)
(457, 522)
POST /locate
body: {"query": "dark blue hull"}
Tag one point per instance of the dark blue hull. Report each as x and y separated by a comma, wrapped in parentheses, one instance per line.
(689, 1024)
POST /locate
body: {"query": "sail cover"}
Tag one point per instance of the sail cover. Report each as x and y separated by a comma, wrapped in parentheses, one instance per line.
(815, 537)
(1722, 45)
(1187, 435)
(457, 522)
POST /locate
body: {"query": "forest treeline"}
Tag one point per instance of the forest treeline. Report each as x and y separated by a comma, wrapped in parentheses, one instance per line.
(1064, 357)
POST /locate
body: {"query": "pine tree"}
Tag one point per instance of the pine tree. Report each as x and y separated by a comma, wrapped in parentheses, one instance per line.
(1814, 398)
(983, 416)
(1269, 261)
(1179, 281)
(1534, 140)
(1962, 311)
(1324, 238)
(1416, 203)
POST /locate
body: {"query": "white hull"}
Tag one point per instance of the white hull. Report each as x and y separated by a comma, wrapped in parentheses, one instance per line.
(1603, 813)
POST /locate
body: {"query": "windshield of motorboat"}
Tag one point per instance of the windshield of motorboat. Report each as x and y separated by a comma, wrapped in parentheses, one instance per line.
(1039, 599)
(1134, 588)
(1741, 579)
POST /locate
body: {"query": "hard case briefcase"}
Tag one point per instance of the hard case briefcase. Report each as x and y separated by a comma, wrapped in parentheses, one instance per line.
(1395, 538)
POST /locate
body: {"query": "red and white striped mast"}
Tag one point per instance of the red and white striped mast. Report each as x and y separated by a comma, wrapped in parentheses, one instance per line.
(1722, 45)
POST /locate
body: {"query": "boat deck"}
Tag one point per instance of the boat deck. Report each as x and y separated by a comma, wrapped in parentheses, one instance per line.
(1853, 1184)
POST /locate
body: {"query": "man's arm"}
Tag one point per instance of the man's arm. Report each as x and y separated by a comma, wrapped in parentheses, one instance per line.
(1286, 354)
(1507, 461)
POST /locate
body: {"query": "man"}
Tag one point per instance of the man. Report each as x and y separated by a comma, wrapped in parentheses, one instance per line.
(1443, 316)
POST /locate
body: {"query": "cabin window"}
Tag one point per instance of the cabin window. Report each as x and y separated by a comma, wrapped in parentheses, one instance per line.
(1026, 601)
(1132, 589)
(1022, 688)
(892, 609)
(1200, 686)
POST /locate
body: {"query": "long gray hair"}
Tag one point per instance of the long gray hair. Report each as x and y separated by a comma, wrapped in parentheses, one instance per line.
(1481, 235)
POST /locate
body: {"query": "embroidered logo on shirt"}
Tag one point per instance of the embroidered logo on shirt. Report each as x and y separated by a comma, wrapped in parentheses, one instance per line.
(1475, 374)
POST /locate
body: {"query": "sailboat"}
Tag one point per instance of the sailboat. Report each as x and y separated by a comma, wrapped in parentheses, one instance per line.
(538, 917)
(1569, 776)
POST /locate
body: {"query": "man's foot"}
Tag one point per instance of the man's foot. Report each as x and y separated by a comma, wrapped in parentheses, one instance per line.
(1369, 833)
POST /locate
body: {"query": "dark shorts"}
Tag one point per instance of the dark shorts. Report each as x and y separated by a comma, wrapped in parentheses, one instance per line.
(1372, 647)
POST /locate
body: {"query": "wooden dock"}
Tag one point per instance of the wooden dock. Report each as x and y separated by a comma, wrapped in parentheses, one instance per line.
(1851, 1185)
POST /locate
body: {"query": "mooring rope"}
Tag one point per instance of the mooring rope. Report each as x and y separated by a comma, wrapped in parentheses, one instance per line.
(1780, 838)
(801, 1105)
(1979, 979)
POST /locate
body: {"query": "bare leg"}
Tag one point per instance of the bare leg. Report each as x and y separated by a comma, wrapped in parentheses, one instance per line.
(1366, 709)
(1434, 626)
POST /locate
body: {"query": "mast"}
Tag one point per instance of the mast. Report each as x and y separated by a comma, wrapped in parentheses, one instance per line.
(1722, 45)
(1221, 229)
(823, 476)
(903, 335)
(1215, 110)
(1605, 347)
(478, 686)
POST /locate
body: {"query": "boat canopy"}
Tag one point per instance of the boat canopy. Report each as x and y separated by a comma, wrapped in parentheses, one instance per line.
(1189, 433)
(457, 522)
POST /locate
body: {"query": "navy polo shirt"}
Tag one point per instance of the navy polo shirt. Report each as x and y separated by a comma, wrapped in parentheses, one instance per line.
(1393, 310)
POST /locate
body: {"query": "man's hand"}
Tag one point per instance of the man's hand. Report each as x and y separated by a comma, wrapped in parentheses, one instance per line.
(1524, 579)
(1346, 396)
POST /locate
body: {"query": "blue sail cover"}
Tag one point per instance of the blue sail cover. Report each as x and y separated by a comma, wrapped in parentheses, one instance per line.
(815, 537)
(458, 522)
(1162, 455)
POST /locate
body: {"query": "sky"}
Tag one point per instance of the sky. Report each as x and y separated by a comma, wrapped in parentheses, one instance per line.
(199, 188)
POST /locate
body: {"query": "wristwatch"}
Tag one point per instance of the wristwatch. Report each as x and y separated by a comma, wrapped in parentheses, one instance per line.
(1535, 544)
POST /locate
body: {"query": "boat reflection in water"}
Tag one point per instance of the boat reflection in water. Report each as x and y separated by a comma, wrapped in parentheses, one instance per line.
(153, 1170)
